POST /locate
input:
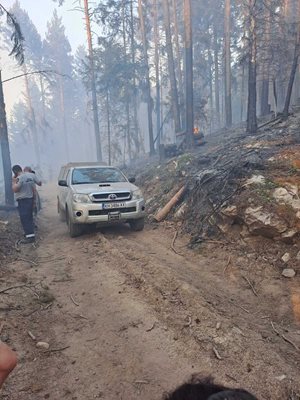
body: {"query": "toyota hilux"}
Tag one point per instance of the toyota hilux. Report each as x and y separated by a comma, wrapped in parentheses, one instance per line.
(97, 194)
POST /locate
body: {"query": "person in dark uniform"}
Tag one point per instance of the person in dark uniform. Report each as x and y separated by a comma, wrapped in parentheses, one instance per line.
(23, 187)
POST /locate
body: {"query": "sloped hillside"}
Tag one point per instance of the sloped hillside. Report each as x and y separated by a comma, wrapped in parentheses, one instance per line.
(238, 188)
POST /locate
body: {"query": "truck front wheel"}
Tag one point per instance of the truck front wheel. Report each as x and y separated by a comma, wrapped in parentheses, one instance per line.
(61, 213)
(74, 229)
(137, 225)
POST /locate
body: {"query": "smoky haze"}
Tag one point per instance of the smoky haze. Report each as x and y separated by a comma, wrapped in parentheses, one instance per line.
(152, 73)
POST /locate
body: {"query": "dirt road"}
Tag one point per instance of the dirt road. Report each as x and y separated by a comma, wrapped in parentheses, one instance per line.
(128, 318)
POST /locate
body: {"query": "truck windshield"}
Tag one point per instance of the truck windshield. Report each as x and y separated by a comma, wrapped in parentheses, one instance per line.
(83, 176)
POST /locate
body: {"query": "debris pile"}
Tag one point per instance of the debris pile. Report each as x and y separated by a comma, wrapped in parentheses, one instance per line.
(235, 187)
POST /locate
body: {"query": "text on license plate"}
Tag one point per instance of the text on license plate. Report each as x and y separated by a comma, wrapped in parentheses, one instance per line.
(111, 206)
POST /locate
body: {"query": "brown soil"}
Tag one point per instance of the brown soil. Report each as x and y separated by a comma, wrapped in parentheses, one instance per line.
(138, 319)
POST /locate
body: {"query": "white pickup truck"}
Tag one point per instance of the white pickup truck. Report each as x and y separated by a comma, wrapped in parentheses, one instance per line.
(91, 193)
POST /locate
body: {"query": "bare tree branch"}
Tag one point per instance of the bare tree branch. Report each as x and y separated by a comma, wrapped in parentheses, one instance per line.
(37, 72)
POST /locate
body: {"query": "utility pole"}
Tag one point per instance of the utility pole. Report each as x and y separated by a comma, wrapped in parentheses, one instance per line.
(189, 87)
(5, 152)
(93, 81)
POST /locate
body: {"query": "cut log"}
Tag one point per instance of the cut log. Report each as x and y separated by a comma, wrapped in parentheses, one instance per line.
(168, 207)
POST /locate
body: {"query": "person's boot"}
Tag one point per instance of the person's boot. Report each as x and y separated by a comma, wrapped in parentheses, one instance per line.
(28, 240)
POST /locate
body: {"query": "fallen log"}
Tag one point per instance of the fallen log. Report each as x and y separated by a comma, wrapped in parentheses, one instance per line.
(162, 214)
(277, 119)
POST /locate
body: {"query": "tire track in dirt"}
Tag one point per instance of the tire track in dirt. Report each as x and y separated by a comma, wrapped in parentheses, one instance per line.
(139, 319)
(185, 297)
(113, 352)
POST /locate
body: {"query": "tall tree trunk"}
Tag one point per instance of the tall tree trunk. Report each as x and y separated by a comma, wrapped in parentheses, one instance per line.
(287, 9)
(93, 82)
(189, 86)
(137, 139)
(42, 89)
(275, 96)
(251, 114)
(148, 85)
(5, 152)
(291, 80)
(161, 104)
(108, 127)
(211, 103)
(296, 87)
(63, 118)
(171, 67)
(179, 59)
(242, 93)
(264, 101)
(293, 69)
(35, 138)
(228, 106)
(127, 99)
(264, 104)
(217, 83)
(157, 75)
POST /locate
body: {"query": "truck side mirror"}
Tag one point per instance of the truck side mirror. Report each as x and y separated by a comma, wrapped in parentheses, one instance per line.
(131, 180)
(62, 183)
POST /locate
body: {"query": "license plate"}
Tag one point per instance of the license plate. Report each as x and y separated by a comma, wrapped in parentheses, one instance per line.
(111, 206)
(114, 216)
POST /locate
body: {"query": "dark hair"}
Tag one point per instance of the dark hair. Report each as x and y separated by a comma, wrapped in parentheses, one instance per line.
(16, 169)
(205, 389)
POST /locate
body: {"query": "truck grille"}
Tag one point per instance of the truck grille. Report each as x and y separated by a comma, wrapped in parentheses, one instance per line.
(112, 196)
(106, 212)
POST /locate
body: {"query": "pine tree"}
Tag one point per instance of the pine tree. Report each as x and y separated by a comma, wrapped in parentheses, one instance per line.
(17, 40)
(58, 58)
(32, 61)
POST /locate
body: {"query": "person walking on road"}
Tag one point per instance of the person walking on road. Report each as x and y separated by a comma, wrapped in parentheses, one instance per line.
(23, 187)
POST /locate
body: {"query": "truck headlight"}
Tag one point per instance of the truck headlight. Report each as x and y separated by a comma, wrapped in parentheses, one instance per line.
(81, 198)
(137, 194)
